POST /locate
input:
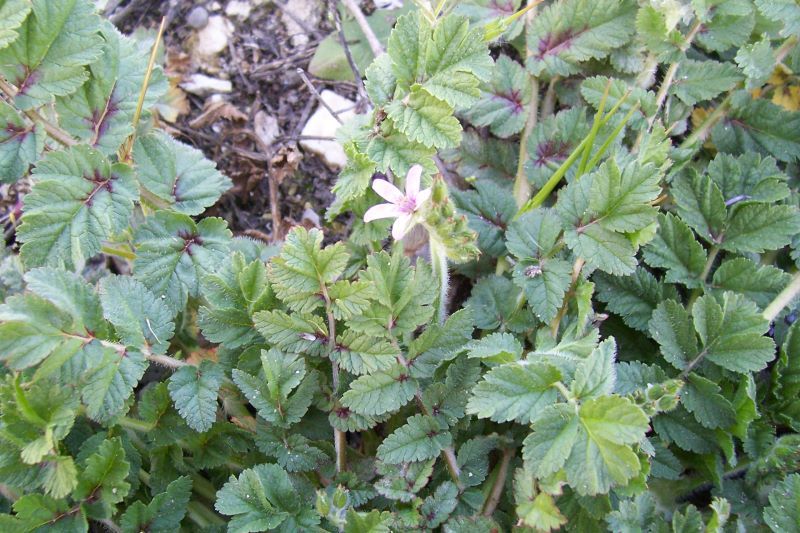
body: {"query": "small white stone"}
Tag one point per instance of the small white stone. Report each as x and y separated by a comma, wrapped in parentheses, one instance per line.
(266, 127)
(323, 124)
(213, 39)
(238, 8)
(201, 84)
(300, 10)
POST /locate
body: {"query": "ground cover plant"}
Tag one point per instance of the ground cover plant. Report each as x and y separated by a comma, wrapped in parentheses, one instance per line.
(568, 298)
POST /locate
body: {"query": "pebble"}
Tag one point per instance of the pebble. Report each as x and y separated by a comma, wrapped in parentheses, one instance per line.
(323, 124)
(201, 84)
(197, 18)
(238, 8)
(213, 38)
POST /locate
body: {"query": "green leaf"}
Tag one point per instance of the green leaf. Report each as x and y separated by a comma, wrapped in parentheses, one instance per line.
(600, 457)
(425, 119)
(402, 482)
(489, 210)
(759, 283)
(234, 294)
(535, 509)
(109, 382)
(726, 25)
(394, 151)
(552, 141)
(273, 395)
(700, 204)
(380, 392)
(496, 348)
(503, 105)
(79, 199)
(697, 81)
(437, 507)
(292, 451)
(12, 15)
(71, 293)
(263, 498)
(676, 250)
(298, 332)
(786, 12)
(406, 47)
(733, 333)
(21, 143)
(596, 375)
(555, 431)
(173, 254)
(534, 239)
(178, 174)
(360, 354)
(514, 391)
(671, 327)
(299, 273)
(55, 42)
(373, 522)
(194, 391)
(702, 398)
(37, 512)
(165, 511)
(783, 512)
(633, 297)
(141, 320)
(457, 48)
(760, 227)
(101, 111)
(756, 60)
(758, 125)
(602, 208)
(748, 177)
(494, 304)
(354, 179)
(104, 474)
(420, 438)
(568, 33)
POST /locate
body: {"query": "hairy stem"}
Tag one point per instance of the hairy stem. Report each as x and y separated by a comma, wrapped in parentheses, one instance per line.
(522, 188)
(339, 437)
(440, 268)
(496, 493)
(52, 130)
(783, 299)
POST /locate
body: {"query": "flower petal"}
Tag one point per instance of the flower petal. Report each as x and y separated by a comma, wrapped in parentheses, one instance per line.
(388, 191)
(401, 226)
(412, 180)
(422, 197)
(382, 211)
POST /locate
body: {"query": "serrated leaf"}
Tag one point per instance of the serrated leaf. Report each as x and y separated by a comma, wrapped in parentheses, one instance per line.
(165, 511)
(12, 15)
(178, 174)
(437, 507)
(675, 249)
(596, 375)
(535, 510)
(756, 60)
(109, 382)
(194, 391)
(496, 348)
(141, 320)
(702, 398)
(21, 143)
(546, 449)
(234, 295)
(552, 141)
(380, 392)
(303, 267)
(349, 298)
(489, 210)
(264, 498)
(671, 327)
(786, 12)
(361, 354)
(425, 119)
(420, 438)
(394, 151)
(78, 200)
(697, 81)
(293, 452)
(633, 297)
(55, 42)
(402, 482)
(297, 332)
(566, 34)
(406, 47)
(373, 522)
(503, 104)
(758, 125)
(759, 283)
(33, 510)
(514, 391)
(101, 111)
(104, 474)
(700, 204)
(748, 178)
(760, 227)
(593, 89)
(783, 512)
(173, 254)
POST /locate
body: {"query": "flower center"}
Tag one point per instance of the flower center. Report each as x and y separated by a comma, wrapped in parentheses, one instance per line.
(407, 205)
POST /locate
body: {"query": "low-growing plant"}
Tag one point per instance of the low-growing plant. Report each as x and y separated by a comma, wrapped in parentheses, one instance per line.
(597, 332)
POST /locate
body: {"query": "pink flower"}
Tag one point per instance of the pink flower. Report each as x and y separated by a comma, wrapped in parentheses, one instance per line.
(401, 206)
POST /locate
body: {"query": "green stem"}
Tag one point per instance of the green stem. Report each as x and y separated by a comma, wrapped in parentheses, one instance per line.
(713, 252)
(339, 436)
(783, 299)
(135, 424)
(587, 150)
(439, 265)
(611, 138)
(710, 121)
(203, 516)
(203, 487)
(499, 483)
(522, 187)
(118, 252)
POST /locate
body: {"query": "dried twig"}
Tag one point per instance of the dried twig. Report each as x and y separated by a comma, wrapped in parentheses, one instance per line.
(372, 39)
(302, 74)
(362, 93)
